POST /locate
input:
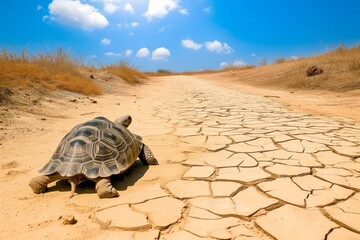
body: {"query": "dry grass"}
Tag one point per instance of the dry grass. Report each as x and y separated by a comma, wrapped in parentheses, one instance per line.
(341, 71)
(238, 68)
(280, 60)
(127, 72)
(164, 72)
(54, 70)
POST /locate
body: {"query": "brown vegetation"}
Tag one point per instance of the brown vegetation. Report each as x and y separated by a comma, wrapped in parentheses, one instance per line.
(160, 72)
(57, 69)
(127, 72)
(164, 72)
(60, 70)
(232, 67)
(340, 72)
(53, 70)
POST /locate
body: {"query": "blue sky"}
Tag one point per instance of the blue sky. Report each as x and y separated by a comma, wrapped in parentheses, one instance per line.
(180, 35)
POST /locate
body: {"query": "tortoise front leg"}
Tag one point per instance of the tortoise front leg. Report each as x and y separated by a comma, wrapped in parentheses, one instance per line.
(147, 157)
(104, 188)
(39, 184)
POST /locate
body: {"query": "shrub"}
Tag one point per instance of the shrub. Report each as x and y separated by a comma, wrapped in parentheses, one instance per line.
(127, 72)
(279, 60)
(57, 69)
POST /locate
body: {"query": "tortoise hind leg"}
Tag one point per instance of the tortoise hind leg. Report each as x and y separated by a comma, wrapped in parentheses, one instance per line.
(104, 188)
(147, 157)
(39, 184)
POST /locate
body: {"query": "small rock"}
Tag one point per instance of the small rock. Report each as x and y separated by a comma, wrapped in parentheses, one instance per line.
(93, 101)
(43, 119)
(36, 101)
(313, 70)
(73, 100)
(92, 76)
(6, 91)
(68, 219)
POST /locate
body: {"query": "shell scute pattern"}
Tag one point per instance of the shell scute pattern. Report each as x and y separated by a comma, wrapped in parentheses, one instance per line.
(96, 148)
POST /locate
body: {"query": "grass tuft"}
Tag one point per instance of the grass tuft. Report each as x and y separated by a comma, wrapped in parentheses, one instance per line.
(233, 67)
(341, 70)
(57, 69)
(127, 72)
(279, 60)
(354, 63)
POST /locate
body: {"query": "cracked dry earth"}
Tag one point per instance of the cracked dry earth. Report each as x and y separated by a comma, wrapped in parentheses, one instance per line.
(256, 171)
(248, 168)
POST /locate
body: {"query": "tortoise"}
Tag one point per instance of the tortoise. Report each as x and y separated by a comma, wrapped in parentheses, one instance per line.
(94, 150)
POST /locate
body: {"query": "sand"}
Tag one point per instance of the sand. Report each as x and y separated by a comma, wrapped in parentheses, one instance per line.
(160, 109)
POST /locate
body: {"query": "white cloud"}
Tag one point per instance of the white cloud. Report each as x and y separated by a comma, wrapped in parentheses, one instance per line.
(39, 7)
(134, 24)
(253, 55)
(105, 41)
(160, 54)
(223, 64)
(126, 25)
(236, 63)
(188, 43)
(160, 8)
(75, 13)
(128, 8)
(207, 9)
(45, 18)
(294, 57)
(111, 8)
(128, 52)
(184, 11)
(163, 28)
(142, 53)
(112, 54)
(216, 46)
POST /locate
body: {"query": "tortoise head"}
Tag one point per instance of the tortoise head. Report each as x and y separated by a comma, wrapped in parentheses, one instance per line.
(124, 120)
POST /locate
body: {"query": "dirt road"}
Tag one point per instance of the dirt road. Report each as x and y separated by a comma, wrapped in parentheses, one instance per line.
(232, 166)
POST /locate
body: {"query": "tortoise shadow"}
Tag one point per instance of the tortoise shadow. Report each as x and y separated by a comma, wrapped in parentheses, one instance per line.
(120, 181)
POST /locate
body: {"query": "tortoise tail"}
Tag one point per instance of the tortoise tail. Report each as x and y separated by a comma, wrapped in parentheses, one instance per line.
(74, 181)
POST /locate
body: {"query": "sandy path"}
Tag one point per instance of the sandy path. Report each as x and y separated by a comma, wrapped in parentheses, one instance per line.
(232, 165)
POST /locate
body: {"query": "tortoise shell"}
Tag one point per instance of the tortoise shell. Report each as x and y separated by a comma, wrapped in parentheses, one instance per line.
(96, 148)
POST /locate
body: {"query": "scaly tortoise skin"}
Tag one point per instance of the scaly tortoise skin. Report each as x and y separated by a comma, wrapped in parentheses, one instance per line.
(94, 150)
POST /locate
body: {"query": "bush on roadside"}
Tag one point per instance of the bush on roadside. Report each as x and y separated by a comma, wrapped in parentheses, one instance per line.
(127, 72)
(56, 69)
